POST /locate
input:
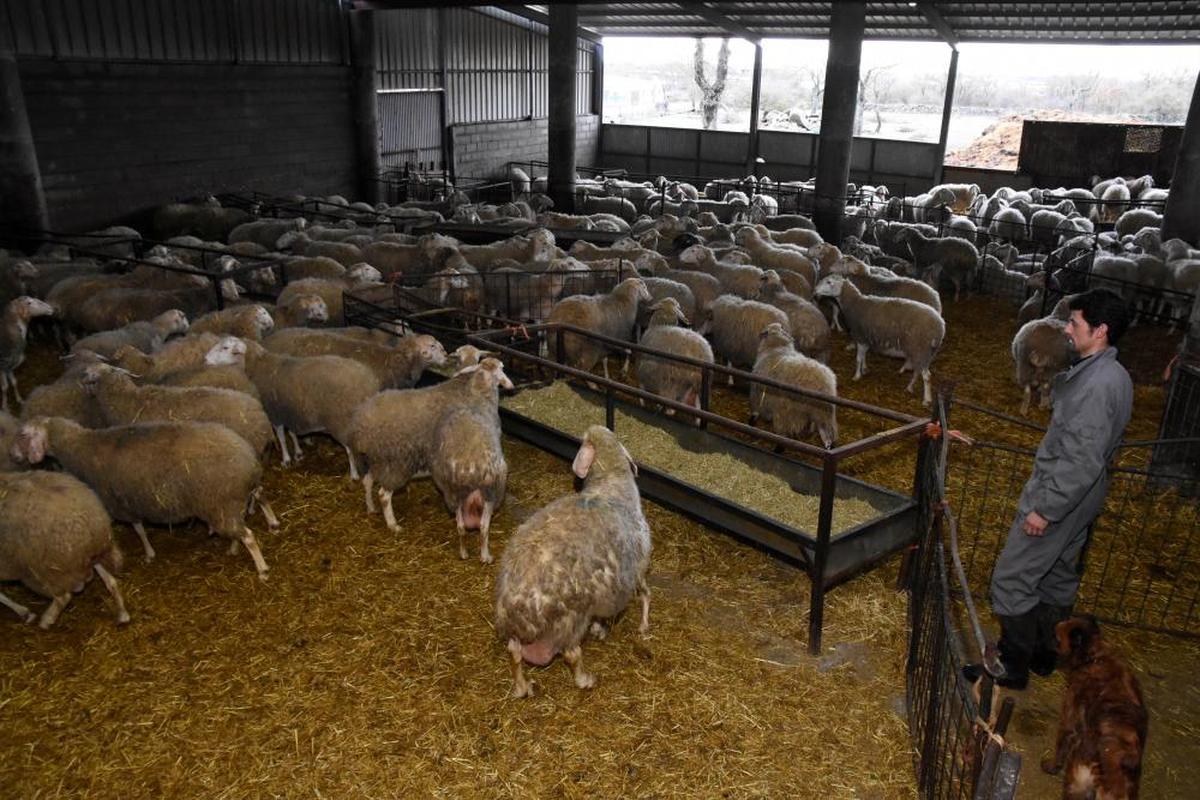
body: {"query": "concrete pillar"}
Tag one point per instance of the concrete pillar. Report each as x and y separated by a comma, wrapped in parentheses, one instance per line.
(22, 200)
(366, 104)
(847, 21)
(755, 92)
(1182, 216)
(947, 107)
(564, 24)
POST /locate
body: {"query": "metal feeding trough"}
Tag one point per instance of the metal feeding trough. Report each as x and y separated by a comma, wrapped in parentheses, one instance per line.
(830, 554)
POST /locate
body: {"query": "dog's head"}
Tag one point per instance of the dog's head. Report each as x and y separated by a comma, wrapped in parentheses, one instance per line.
(1079, 640)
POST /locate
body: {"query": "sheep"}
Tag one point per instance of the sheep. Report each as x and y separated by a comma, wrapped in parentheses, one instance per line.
(786, 222)
(668, 378)
(14, 325)
(207, 220)
(618, 206)
(116, 307)
(122, 402)
(1008, 224)
(179, 354)
(806, 323)
(958, 196)
(661, 288)
(1135, 219)
(390, 258)
(705, 288)
(891, 326)
(469, 469)
(54, 535)
(301, 395)
(359, 277)
(313, 267)
(1116, 273)
(519, 295)
(612, 315)
(247, 322)
(955, 258)
(392, 431)
(742, 280)
(881, 282)
(299, 311)
(575, 564)
(1113, 201)
(397, 367)
(1177, 249)
(162, 473)
(143, 336)
(1040, 350)
(266, 232)
(736, 324)
(66, 397)
(790, 415)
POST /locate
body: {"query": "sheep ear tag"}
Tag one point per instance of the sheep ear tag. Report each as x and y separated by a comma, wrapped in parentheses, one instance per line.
(583, 459)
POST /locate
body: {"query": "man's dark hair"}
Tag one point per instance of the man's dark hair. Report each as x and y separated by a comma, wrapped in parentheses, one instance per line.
(1103, 307)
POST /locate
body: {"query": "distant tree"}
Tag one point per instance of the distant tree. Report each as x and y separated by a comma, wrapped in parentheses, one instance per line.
(710, 91)
(813, 84)
(874, 85)
(1074, 90)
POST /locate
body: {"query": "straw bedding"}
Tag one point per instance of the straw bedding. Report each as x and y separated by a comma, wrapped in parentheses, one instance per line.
(366, 666)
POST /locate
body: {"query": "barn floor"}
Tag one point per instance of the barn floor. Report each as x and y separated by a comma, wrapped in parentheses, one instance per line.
(366, 665)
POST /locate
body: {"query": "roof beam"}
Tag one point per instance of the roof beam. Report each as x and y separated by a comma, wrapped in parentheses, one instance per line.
(939, 24)
(723, 22)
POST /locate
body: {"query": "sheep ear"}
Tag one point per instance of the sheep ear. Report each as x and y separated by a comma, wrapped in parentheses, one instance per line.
(583, 459)
(632, 463)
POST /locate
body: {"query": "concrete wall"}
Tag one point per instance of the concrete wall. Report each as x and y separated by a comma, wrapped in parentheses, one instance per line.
(115, 139)
(482, 150)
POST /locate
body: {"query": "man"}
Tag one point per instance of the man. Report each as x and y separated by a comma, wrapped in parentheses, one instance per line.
(1037, 574)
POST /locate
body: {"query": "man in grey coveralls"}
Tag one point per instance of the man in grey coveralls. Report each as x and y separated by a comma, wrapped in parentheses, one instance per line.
(1037, 574)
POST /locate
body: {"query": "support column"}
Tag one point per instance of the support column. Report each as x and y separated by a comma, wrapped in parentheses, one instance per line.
(366, 104)
(947, 108)
(1182, 216)
(22, 200)
(755, 92)
(847, 21)
(560, 151)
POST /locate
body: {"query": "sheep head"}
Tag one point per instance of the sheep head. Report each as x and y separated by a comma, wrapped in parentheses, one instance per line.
(636, 287)
(31, 443)
(773, 336)
(172, 322)
(830, 286)
(311, 309)
(600, 453)
(229, 350)
(468, 355)
(263, 321)
(430, 350)
(489, 372)
(695, 255)
(668, 311)
(26, 308)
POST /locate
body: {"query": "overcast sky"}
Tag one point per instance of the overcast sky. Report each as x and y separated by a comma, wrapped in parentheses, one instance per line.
(1012, 59)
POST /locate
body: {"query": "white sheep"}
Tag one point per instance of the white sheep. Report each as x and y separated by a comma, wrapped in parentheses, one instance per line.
(666, 377)
(806, 324)
(890, 326)
(612, 315)
(736, 324)
(1040, 350)
(791, 415)
(575, 564)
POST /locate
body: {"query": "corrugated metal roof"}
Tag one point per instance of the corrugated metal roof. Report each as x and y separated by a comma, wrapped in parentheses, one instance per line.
(1102, 21)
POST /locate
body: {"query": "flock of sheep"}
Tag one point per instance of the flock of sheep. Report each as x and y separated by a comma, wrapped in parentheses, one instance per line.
(169, 408)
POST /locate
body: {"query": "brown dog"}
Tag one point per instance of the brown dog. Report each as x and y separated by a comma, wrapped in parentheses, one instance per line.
(1102, 727)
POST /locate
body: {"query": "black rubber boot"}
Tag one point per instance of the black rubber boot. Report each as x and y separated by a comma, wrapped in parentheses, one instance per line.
(1045, 651)
(1018, 638)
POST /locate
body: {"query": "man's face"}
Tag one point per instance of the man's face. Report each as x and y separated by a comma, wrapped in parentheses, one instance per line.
(1085, 339)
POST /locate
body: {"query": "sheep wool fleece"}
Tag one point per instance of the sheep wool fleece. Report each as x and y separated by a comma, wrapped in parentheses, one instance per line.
(1093, 401)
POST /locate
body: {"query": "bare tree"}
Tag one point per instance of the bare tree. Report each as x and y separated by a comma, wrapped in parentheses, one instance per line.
(710, 99)
(873, 86)
(815, 81)
(1075, 89)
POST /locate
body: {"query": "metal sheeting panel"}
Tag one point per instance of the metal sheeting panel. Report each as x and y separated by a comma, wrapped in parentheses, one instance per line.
(407, 49)
(489, 67)
(410, 129)
(270, 31)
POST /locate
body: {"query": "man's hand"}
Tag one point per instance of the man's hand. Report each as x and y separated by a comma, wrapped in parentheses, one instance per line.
(1034, 524)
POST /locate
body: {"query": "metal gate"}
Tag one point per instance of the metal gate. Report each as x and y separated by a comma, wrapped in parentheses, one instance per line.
(411, 128)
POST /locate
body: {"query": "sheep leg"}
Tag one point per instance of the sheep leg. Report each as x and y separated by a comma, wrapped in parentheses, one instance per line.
(12, 380)
(521, 687)
(574, 659)
(299, 454)
(50, 615)
(368, 484)
(110, 583)
(926, 378)
(643, 589)
(598, 630)
(389, 515)
(287, 459)
(730, 365)
(251, 543)
(1025, 401)
(604, 363)
(353, 463)
(912, 382)
(140, 529)
(485, 523)
(4, 391)
(269, 514)
(860, 360)
(21, 611)
(462, 533)
(1044, 396)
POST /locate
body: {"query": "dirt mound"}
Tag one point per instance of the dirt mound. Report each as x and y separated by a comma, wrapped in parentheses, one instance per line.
(997, 147)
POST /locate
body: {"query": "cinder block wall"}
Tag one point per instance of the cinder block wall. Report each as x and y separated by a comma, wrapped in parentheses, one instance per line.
(116, 139)
(482, 150)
